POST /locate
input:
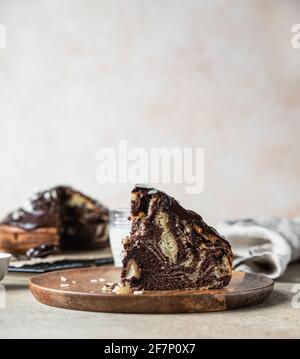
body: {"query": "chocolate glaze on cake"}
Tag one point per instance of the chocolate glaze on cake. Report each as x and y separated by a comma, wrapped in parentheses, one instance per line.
(42, 251)
(81, 222)
(170, 247)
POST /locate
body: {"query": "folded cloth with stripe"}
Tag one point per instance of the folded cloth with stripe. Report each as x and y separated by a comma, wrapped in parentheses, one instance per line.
(263, 245)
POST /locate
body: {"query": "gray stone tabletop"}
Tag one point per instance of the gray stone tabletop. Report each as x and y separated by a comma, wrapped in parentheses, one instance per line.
(21, 316)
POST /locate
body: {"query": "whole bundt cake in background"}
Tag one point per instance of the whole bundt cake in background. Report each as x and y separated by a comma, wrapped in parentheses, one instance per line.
(58, 218)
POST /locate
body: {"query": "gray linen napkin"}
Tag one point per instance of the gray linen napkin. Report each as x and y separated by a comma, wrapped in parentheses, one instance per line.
(264, 245)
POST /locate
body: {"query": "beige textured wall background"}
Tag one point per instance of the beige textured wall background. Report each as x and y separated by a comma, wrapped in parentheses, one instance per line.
(79, 75)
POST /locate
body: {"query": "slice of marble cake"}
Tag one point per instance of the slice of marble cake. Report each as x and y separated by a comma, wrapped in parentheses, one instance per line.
(170, 247)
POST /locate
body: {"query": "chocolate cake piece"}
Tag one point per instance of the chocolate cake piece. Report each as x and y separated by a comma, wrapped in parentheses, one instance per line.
(84, 221)
(170, 247)
(60, 217)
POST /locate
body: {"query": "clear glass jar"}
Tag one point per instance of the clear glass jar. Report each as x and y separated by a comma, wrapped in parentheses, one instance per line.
(119, 228)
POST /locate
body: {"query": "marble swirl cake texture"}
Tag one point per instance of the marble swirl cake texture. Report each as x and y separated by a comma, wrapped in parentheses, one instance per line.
(170, 247)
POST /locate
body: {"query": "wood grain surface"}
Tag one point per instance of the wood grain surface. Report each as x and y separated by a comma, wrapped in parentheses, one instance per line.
(81, 289)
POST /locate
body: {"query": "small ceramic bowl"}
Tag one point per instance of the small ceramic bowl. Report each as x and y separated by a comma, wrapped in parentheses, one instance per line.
(4, 262)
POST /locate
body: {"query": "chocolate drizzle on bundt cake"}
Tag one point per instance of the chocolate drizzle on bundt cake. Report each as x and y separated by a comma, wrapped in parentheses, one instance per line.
(170, 247)
(60, 217)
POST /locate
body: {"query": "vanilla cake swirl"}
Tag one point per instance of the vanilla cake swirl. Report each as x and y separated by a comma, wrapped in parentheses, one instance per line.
(170, 247)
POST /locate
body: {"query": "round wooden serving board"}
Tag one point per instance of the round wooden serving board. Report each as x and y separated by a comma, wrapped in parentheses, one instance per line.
(81, 289)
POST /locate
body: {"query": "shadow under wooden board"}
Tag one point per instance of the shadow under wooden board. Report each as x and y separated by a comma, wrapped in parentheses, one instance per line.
(81, 289)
